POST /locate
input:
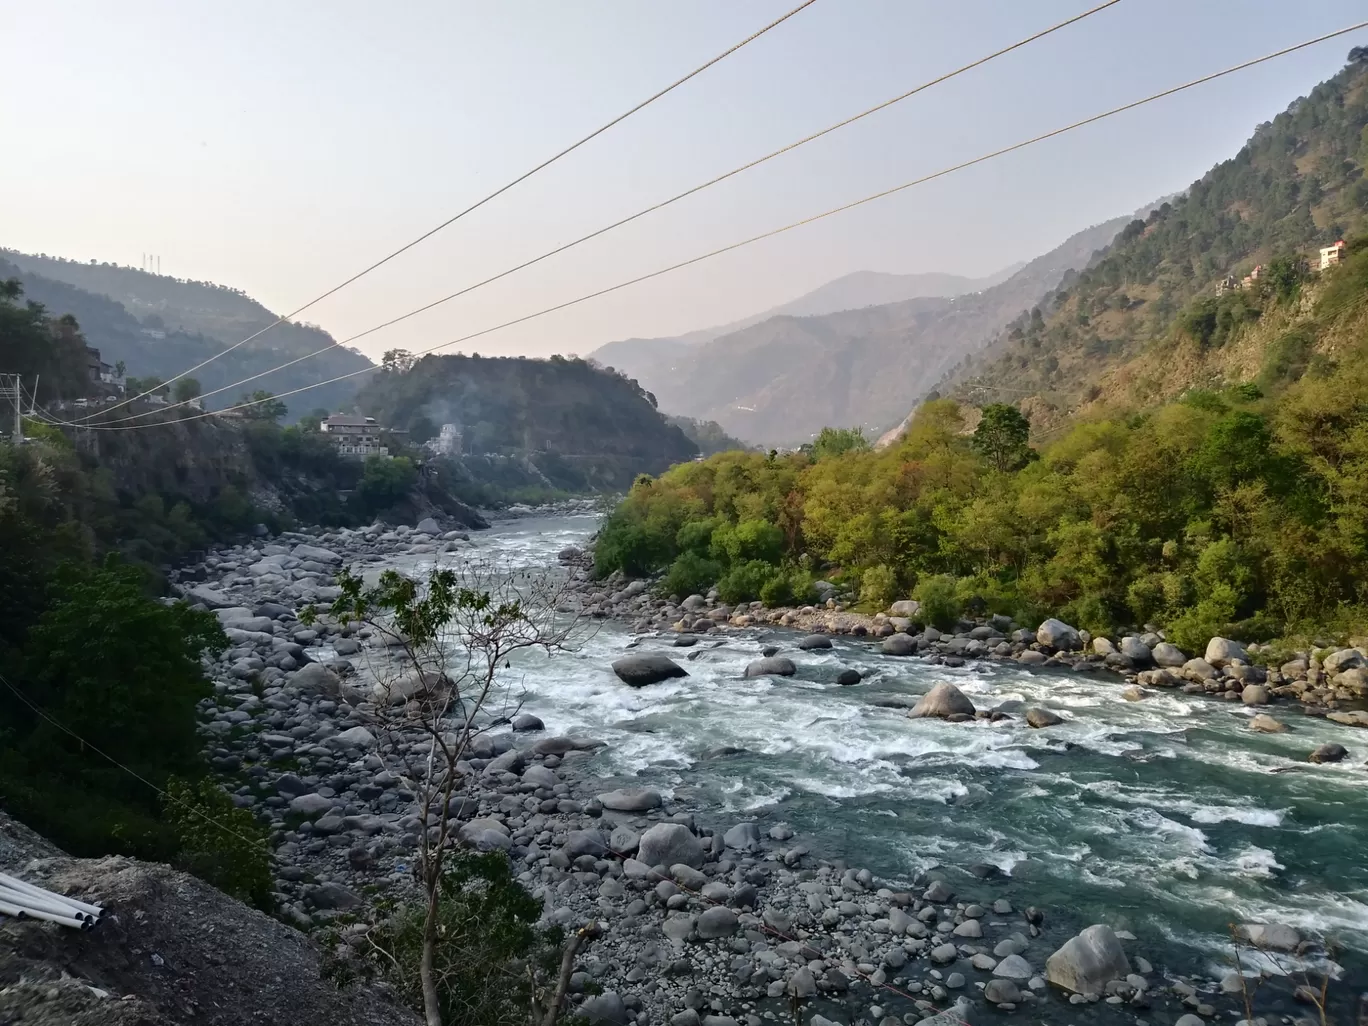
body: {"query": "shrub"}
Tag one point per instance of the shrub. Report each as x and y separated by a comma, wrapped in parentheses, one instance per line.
(696, 536)
(940, 606)
(626, 545)
(690, 573)
(748, 540)
(219, 843)
(777, 591)
(743, 582)
(878, 586)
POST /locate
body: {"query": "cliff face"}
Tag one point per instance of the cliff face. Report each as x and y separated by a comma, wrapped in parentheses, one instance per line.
(171, 950)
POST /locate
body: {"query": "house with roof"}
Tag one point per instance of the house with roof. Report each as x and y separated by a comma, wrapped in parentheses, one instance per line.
(354, 435)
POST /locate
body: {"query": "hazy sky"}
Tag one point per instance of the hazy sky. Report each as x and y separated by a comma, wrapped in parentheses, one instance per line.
(280, 147)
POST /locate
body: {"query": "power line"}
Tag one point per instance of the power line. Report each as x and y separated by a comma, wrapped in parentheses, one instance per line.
(797, 224)
(497, 192)
(654, 207)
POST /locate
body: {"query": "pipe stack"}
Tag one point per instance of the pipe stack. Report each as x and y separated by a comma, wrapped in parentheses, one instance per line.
(27, 901)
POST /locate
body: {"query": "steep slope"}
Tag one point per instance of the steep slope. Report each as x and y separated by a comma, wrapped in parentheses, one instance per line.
(780, 381)
(159, 326)
(1297, 185)
(636, 357)
(584, 427)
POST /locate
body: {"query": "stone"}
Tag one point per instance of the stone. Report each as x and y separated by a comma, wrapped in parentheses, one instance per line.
(1103, 646)
(938, 891)
(353, 737)
(1001, 992)
(1031, 657)
(909, 608)
(813, 642)
(1344, 659)
(1136, 651)
(1265, 724)
(526, 721)
(1329, 752)
(1221, 651)
(315, 678)
(315, 553)
(631, 799)
(688, 1017)
(802, 984)
(540, 776)
(1351, 718)
(1087, 962)
(429, 527)
(742, 837)
(943, 700)
(716, 922)
(1014, 967)
(606, 1009)
(956, 1015)
(1198, 670)
(944, 954)
(333, 896)
(772, 666)
(668, 843)
(1169, 656)
(1189, 1020)
(585, 842)
(899, 645)
(310, 804)
(638, 671)
(846, 678)
(1254, 694)
(970, 928)
(1037, 717)
(1058, 634)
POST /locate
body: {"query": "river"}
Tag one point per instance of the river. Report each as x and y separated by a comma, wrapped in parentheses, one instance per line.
(1160, 816)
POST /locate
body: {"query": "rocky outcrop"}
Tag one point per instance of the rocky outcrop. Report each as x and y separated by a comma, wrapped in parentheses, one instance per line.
(943, 701)
(1058, 634)
(1087, 963)
(640, 671)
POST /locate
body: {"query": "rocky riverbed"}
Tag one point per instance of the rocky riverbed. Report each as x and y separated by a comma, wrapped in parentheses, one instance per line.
(725, 892)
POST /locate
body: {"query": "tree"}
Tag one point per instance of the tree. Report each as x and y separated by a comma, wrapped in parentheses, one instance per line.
(838, 441)
(186, 390)
(262, 405)
(119, 368)
(1003, 436)
(385, 481)
(397, 361)
(458, 635)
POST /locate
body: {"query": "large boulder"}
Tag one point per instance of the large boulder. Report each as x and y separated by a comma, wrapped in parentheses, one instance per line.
(899, 645)
(1086, 963)
(1222, 651)
(316, 554)
(1328, 752)
(1058, 634)
(1038, 717)
(742, 837)
(1169, 656)
(631, 799)
(668, 843)
(1136, 651)
(942, 701)
(813, 642)
(905, 607)
(209, 597)
(716, 922)
(640, 670)
(1344, 659)
(429, 527)
(1254, 694)
(773, 666)
(1269, 936)
(606, 1009)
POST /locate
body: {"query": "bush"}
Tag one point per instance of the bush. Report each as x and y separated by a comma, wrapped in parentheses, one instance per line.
(696, 536)
(626, 545)
(690, 574)
(748, 540)
(878, 586)
(777, 591)
(219, 843)
(742, 583)
(940, 606)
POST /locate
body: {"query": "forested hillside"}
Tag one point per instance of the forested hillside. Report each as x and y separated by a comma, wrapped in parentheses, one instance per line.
(158, 327)
(585, 427)
(1297, 185)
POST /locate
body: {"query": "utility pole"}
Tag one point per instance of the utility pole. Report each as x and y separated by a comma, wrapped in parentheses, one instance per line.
(10, 389)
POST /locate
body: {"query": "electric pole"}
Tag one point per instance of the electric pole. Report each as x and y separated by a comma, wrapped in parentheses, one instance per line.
(10, 388)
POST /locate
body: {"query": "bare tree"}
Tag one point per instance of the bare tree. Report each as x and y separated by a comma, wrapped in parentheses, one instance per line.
(444, 676)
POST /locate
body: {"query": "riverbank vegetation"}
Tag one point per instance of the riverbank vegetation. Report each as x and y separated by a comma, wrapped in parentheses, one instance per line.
(1236, 509)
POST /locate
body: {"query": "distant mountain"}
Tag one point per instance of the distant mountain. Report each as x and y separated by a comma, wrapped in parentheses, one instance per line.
(581, 427)
(636, 357)
(779, 380)
(160, 326)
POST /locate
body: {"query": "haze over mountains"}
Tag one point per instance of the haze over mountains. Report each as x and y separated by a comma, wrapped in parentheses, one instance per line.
(857, 352)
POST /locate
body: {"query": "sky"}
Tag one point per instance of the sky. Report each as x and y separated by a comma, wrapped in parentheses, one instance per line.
(280, 148)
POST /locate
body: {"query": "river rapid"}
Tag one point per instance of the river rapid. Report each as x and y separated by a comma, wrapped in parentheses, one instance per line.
(1163, 817)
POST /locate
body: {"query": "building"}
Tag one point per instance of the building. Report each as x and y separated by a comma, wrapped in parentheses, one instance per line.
(1331, 255)
(97, 370)
(354, 435)
(1227, 284)
(447, 442)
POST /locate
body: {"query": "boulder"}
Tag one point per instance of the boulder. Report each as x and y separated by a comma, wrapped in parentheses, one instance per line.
(1031, 657)
(526, 721)
(909, 608)
(942, 701)
(540, 777)
(606, 1009)
(1014, 967)
(1103, 646)
(631, 799)
(716, 922)
(1168, 656)
(848, 677)
(1136, 650)
(316, 679)
(310, 804)
(485, 834)
(429, 527)
(1001, 992)
(742, 837)
(956, 1015)
(640, 670)
(1221, 651)
(316, 554)
(1037, 717)
(772, 666)
(1087, 962)
(1344, 659)
(813, 642)
(1329, 752)
(1265, 724)
(1269, 936)
(353, 737)
(1352, 718)
(668, 843)
(899, 645)
(1058, 634)
(1254, 694)
(584, 842)
(209, 597)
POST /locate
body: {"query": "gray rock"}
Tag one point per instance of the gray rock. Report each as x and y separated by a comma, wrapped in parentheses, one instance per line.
(310, 804)
(956, 1015)
(944, 954)
(742, 837)
(776, 666)
(716, 922)
(316, 554)
(585, 842)
(1037, 717)
(1189, 1020)
(1169, 656)
(801, 984)
(209, 597)
(1085, 963)
(315, 678)
(1136, 650)
(289, 784)
(848, 677)
(631, 799)
(938, 891)
(604, 1009)
(813, 642)
(354, 737)
(899, 645)
(333, 896)
(1031, 657)
(909, 608)
(540, 776)
(429, 527)
(941, 701)
(1270, 936)
(1344, 659)
(1328, 752)
(1058, 634)
(526, 721)
(668, 843)
(624, 840)
(1014, 967)
(1001, 992)
(1254, 694)
(638, 671)
(688, 1017)
(1220, 652)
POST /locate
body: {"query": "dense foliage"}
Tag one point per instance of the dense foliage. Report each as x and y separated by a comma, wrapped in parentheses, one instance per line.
(1236, 510)
(707, 435)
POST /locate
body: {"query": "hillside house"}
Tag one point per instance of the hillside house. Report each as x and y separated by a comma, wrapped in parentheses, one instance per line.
(447, 442)
(354, 435)
(1331, 255)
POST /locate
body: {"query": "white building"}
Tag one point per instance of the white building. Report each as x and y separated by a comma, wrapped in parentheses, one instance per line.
(447, 442)
(1331, 255)
(353, 435)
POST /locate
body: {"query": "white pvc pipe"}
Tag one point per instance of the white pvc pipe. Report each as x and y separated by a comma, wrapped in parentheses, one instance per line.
(45, 904)
(21, 912)
(15, 884)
